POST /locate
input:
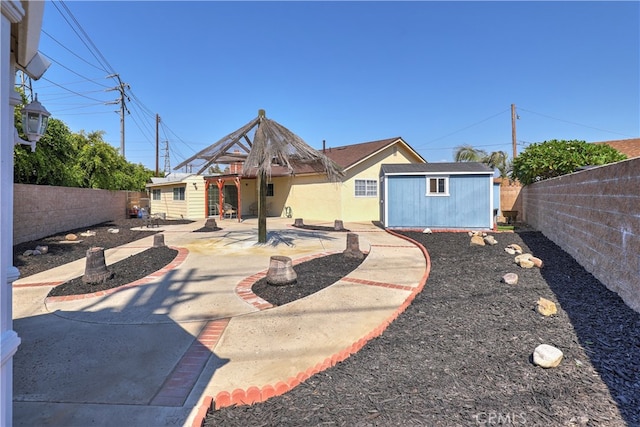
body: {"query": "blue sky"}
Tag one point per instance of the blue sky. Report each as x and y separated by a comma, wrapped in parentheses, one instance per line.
(438, 74)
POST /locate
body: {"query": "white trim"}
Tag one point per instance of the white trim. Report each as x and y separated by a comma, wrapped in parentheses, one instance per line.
(13, 10)
(436, 173)
(446, 193)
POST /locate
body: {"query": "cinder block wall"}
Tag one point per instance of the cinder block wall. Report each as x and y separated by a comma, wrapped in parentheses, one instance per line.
(42, 210)
(594, 215)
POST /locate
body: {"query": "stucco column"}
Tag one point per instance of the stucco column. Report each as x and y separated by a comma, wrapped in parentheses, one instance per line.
(12, 12)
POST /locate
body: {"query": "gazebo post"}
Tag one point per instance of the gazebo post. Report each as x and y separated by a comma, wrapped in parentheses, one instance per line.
(221, 198)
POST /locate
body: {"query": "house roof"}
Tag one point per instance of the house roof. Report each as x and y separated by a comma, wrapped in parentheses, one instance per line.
(349, 156)
(630, 147)
(346, 157)
(452, 168)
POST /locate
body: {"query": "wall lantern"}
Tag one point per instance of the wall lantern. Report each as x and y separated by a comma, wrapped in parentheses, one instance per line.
(34, 123)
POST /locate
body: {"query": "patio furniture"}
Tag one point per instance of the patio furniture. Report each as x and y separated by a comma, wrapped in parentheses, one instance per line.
(229, 211)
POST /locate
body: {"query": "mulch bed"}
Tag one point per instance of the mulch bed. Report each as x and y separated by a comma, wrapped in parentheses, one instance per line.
(61, 253)
(313, 276)
(461, 352)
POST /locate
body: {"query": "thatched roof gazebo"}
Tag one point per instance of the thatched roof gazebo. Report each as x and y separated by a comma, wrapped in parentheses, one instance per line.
(259, 145)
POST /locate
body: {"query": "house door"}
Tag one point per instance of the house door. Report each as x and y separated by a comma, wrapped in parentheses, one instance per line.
(231, 195)
(214, 200)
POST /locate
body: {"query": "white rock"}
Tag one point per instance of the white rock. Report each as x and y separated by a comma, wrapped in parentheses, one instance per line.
(547, 356)
(113, 230)
(510, 279)
(427, 231)
(88, 233)
(510, 251)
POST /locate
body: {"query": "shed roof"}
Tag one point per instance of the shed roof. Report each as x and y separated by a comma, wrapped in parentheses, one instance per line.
(454, 168)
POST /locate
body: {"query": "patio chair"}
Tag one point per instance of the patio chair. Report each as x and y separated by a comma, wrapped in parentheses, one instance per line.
(230, 211)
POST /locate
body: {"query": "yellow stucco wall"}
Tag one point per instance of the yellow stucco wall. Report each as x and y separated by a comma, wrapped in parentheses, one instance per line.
(192, 207)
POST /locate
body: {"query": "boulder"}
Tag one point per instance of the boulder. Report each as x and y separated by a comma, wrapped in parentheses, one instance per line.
(490, 240)
(510, 279)
(71, 237)
(547, 356)
(510, 251)
(546, 307)
(477, 240)
(516, 248)
(536, 262)
(526, 263)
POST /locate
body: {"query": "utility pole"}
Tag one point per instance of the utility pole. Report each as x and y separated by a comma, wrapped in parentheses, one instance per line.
(167, 161)
(157, 146)
(513, 129)
(25, 84)
(122, 87)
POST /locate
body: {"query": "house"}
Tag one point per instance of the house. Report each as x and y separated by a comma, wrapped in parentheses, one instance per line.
(306, 193)
(629, 147)
(178, 195)
(438, 196)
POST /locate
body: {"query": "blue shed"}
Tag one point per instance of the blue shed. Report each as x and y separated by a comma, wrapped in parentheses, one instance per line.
(456, 195)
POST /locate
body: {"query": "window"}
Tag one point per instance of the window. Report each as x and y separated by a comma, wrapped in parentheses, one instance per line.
(178, 193)
(437, 186)
(269, 190)
(366, 188)
(156, 194)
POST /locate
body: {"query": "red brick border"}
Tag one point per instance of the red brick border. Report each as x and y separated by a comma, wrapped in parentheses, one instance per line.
(180, 382)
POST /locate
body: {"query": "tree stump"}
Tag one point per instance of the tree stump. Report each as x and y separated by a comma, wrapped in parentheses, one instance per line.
(96, 268)
(338, 225)
(298, 222)
(353, 247)
(281, 271)
(211, 223)
(158, 240)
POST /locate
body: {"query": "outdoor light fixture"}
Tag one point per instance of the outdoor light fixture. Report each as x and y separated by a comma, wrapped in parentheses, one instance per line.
(34, 123)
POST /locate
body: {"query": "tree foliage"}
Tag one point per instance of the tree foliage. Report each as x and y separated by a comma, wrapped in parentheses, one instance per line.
(67, 159)
(496, 159)
(559, 157)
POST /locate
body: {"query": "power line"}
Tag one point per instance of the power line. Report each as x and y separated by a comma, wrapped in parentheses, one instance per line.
(467, 127)
(573, 123)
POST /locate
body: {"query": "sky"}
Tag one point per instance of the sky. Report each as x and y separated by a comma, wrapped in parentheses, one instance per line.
(439, 74)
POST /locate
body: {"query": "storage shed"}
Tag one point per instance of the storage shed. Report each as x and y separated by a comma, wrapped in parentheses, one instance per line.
(437, 196)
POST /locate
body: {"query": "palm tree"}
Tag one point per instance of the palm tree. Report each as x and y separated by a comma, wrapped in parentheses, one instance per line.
(496, 159)
(272, 144)
(466, 153)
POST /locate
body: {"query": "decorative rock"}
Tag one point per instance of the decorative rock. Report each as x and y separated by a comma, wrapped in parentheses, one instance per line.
(353, 247)
(71, 237)
(28, 252)
(526, 263)
(490, 240)
(477, 240)
(536, 262)
(547, 356)
(516, 248)
(298, 222)
(510, 279)
(520, 257)
(510, 251)
(88, 233)
(281, 271)
(158, 240)
(42, 249)
(546, 307)
(113, 230)
(427, 231)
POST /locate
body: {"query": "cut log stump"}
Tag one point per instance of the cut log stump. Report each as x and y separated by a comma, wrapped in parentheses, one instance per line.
(96, 268)
(281, 271)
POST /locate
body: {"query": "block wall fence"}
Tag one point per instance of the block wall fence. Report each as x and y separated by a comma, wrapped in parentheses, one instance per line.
(42, 210)
(594, 215)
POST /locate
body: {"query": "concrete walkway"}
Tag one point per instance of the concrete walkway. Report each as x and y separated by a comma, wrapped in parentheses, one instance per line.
(162, 350)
